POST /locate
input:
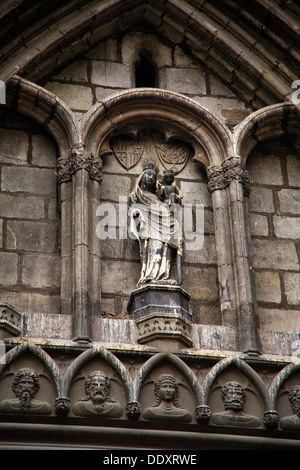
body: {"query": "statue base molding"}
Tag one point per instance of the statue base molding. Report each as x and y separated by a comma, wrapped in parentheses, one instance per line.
(161, 312)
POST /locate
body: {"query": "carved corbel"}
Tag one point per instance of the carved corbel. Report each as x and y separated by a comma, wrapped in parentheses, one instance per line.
(202, 414)
(133, 410)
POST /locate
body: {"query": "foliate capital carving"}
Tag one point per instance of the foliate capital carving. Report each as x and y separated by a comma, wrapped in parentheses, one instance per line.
(95, 169)
(216, 178)
(78, 159)
(232, 169)
(64, 172)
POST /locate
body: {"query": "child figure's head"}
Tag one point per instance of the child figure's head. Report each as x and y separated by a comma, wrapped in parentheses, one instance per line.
(168, 177)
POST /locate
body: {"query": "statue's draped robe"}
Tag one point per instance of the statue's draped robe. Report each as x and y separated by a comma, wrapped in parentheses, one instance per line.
(156, 228)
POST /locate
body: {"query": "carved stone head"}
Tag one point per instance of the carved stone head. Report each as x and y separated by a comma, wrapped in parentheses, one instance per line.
(166, 389)
(97, 387)
(294, 397)
(25, 385)
(233, 395)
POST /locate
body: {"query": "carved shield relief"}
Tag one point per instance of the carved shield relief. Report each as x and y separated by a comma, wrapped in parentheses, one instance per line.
(128, 152)
(173, 156)
(150, 145)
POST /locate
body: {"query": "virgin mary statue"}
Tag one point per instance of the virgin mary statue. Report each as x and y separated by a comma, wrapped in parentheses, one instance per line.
(154, 224)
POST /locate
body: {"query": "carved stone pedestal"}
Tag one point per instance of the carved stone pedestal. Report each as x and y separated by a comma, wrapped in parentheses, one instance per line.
(162, 316)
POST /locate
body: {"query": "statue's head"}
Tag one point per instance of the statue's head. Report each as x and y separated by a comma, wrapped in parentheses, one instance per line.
(166, 388)
(25, 382)
(148, 177)
(233, 395)
(97, 386)
(169, 176)
(294, 397)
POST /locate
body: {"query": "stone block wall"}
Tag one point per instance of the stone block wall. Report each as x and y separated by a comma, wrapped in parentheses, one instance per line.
(109, 67)
(105, 70)
(275, 231)
(29, 219)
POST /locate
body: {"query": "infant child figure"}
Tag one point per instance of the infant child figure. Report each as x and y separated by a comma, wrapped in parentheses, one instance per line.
(168, 191)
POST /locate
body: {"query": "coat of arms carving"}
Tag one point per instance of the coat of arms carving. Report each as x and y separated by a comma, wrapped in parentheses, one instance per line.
(173, 156)
(128, 152)
(148, 145)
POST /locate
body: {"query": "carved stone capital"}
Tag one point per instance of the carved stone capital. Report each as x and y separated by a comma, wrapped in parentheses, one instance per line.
(78, 159)
(64, 172)
(234, 170)
(95, 168)
(216, 178)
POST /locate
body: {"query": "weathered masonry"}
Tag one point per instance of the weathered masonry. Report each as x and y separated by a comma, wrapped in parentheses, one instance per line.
(112, 335)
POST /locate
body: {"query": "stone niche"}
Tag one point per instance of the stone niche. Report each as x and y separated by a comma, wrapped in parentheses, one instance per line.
(162, 311)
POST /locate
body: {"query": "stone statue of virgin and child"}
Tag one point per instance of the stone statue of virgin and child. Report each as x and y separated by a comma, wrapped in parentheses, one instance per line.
(154, 209)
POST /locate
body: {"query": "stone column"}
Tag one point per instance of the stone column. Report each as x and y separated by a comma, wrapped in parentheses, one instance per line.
(224, 248)
(79, 176)
(64, 178)
(237, 182)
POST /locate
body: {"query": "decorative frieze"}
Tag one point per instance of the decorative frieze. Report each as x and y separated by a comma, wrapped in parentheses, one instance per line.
(162, 388)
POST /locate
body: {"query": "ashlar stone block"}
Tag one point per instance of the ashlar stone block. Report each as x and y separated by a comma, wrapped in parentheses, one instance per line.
(261, 200)
(189, 81)
(265, 169)
(196, 193)
(201, 282)
(114, 186)
(76, 72)
(104, 50)
(29, 180)
(13, 146)
(287, 227)
(279, 320)
(292, 287)
(293, 169)
(274, 254)
(78, 97)
(8, 268)
(22, 207)
(289, 201)
(258, 225)
(267, 286)
(31, 236)
(112, 74)
(41, 270)
(43, 151)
